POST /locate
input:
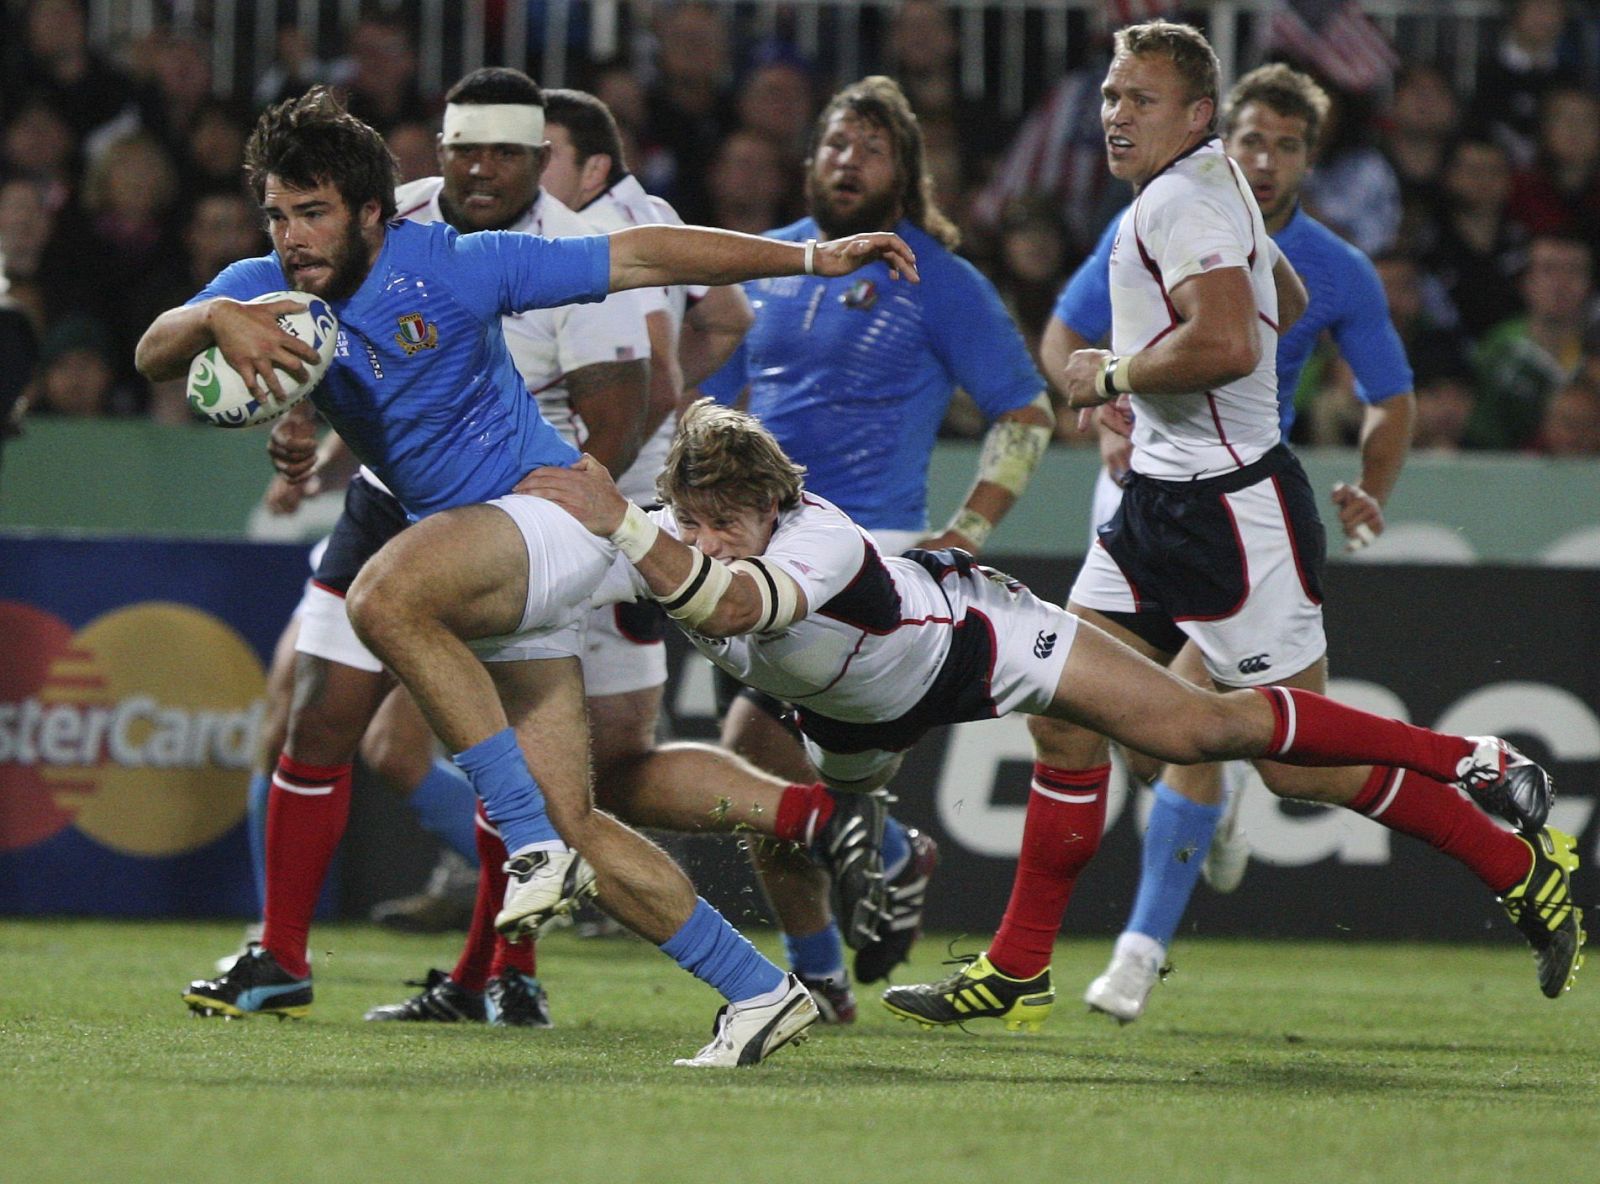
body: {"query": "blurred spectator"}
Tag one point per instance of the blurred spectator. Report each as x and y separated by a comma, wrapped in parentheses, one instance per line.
(777, 101)
(1352, 188)
(52, 59)
(923, 59)
(1477, 249)
(129, 196)
(618, 87)
(750, 188)
(1422, 121)
(179, 86)
(77, 374)
(1444, 380)
(220, 229)
(1523, 65)
(379, 76)
(1571, 422)
(1417, 301)
(295, 67)
(1035, 253)
(26, 222)
(1560, 192)
(212, 153)
(416, 148)
(690, 106)
(39, 144)
(1524, 361)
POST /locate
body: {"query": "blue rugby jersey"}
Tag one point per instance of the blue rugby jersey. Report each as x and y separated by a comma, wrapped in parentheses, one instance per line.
(422, 386)
(853, 374)
(1346, 299)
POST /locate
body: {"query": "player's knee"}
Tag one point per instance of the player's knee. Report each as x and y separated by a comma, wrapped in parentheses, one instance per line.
(1220, 729)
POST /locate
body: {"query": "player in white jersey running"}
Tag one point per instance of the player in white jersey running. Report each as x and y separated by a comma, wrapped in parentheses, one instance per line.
(783, 591)
(1217, 539)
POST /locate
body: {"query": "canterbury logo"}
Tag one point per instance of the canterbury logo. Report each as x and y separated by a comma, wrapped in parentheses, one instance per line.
(1255, 664)
(1044, 645)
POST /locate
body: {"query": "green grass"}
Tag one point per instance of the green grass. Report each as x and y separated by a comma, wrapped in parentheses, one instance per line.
(1271, 1062)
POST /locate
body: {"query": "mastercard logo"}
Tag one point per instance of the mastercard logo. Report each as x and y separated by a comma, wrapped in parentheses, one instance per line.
(139, 729)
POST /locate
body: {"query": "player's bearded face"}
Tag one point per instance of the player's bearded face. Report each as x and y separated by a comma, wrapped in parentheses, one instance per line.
(1149, 116)
(319, 239)
(853, 185)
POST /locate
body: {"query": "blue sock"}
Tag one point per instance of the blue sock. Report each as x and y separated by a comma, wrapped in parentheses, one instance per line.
(896, 848)
(511, 797)
(255, 821)
(720, 956)
(1175, 844)
(816, 955)
(447, 807)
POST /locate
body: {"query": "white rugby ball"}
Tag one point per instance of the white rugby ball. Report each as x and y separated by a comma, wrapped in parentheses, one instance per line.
(216, 391)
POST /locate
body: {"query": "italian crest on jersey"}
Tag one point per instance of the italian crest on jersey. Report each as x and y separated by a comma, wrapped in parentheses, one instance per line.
(416, 333)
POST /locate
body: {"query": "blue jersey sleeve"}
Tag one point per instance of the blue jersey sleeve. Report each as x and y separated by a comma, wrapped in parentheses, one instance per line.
(1084, 305)
(500, 272)
(1366, 336)
(244, 280)
(976, 340)
(727, 383)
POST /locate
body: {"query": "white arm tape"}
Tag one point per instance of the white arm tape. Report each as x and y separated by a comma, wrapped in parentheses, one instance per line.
(696, 599)
(636, 535)
(780, 596)
(1012, 451)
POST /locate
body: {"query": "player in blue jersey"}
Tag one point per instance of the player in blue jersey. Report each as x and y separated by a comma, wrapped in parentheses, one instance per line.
(477, 607)
(853, 377)
(1273, 120)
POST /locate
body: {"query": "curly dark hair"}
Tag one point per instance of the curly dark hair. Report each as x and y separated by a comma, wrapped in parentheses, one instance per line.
(313, 141)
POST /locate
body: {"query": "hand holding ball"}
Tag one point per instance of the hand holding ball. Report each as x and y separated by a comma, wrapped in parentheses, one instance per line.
(219, 393)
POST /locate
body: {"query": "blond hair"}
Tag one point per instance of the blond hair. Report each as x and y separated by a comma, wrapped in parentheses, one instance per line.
(1188, 50)
(724, 459)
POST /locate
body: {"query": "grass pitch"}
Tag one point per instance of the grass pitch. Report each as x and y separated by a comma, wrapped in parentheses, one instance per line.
(1257, 1061)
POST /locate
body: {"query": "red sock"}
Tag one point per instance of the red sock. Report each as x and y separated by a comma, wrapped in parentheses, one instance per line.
(1438, 814)
(803, 810)
(1314, 730)
(513, 956)
(1066, 813)
(475, 966)
(307, 809)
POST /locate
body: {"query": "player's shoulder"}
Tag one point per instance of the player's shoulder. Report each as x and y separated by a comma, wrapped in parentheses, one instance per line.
(795, 232)
(665, 214)
(417, 201)
(1307, 239)
(556, 220)
(1203, 174)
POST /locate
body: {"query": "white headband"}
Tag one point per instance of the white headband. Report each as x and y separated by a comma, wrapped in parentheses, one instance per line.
(494, 123)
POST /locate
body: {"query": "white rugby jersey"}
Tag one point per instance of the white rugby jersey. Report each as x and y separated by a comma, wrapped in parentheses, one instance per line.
(547, 344)
(874, 636)
(1197, 216)
(627, 204)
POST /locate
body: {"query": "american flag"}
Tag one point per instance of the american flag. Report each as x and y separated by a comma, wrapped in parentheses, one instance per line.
(1335, 37)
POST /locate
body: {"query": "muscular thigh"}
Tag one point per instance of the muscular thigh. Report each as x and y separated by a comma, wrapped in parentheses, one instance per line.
(621, 727)
(544, 701)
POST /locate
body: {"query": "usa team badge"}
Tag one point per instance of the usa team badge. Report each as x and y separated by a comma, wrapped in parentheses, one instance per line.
(416, 333)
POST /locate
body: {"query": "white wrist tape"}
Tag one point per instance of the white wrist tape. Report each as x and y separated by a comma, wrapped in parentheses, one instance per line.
(972, 525)
(493, 123)
(811, 256)
(694, 600)
(780, 598)
(636, 535)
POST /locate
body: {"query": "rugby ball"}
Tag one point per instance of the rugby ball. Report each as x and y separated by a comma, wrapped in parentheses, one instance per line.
(217, 393)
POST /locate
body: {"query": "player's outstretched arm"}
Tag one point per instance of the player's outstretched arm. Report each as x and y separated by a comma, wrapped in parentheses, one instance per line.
(712, 598)
(644, 256)
(248, 335)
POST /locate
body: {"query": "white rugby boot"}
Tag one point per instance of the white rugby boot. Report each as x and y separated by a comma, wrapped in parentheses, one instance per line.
(747, 1034)
(1229, 854)
(543, 885)
(1136, 967)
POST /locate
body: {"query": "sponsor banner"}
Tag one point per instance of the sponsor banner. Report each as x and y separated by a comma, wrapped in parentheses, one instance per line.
(1480, 650)
(131, 681)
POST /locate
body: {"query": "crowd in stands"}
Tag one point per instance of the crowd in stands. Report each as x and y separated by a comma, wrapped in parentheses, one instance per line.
(121, 191)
